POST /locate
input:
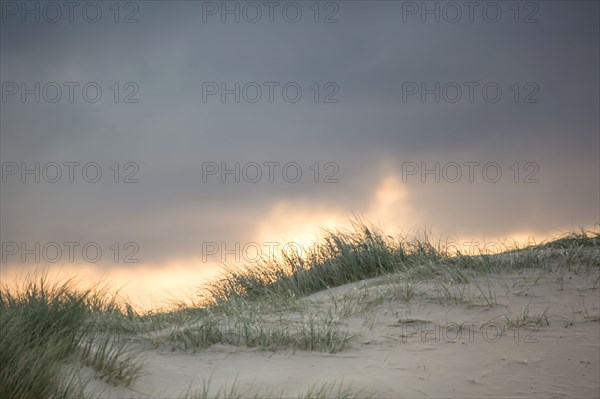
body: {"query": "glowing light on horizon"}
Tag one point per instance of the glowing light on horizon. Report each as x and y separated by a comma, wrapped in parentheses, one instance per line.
(146, 287)
(299, 222)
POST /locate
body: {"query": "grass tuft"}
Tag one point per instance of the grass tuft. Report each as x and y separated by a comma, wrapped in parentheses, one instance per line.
(44, 324)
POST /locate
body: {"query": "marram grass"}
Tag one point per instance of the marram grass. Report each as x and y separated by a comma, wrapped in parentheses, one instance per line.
(45, 326)
(49, 328)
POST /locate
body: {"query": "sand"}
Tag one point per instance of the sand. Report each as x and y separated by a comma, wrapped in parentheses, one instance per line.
(414, 350)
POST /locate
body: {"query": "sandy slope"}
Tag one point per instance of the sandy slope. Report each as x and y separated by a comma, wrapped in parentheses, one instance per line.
(415, 350)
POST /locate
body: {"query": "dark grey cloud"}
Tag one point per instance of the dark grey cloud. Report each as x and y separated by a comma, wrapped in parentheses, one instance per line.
(369, 133)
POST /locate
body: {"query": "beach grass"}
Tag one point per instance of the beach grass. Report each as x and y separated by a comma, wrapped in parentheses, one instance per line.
(51, 327)
(47, 326)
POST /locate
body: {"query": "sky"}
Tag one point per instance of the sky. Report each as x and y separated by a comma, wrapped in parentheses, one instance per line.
(149, 141)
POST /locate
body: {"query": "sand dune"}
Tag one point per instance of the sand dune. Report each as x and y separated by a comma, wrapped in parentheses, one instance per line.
(360, 316)
(524, 333)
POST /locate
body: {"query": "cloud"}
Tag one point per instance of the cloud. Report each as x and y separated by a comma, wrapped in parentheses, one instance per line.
(369, 134)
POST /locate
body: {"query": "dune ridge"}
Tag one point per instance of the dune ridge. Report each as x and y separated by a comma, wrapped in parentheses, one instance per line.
(361, 314)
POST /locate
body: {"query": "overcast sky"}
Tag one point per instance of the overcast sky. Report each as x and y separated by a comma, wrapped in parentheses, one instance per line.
(367, 120)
